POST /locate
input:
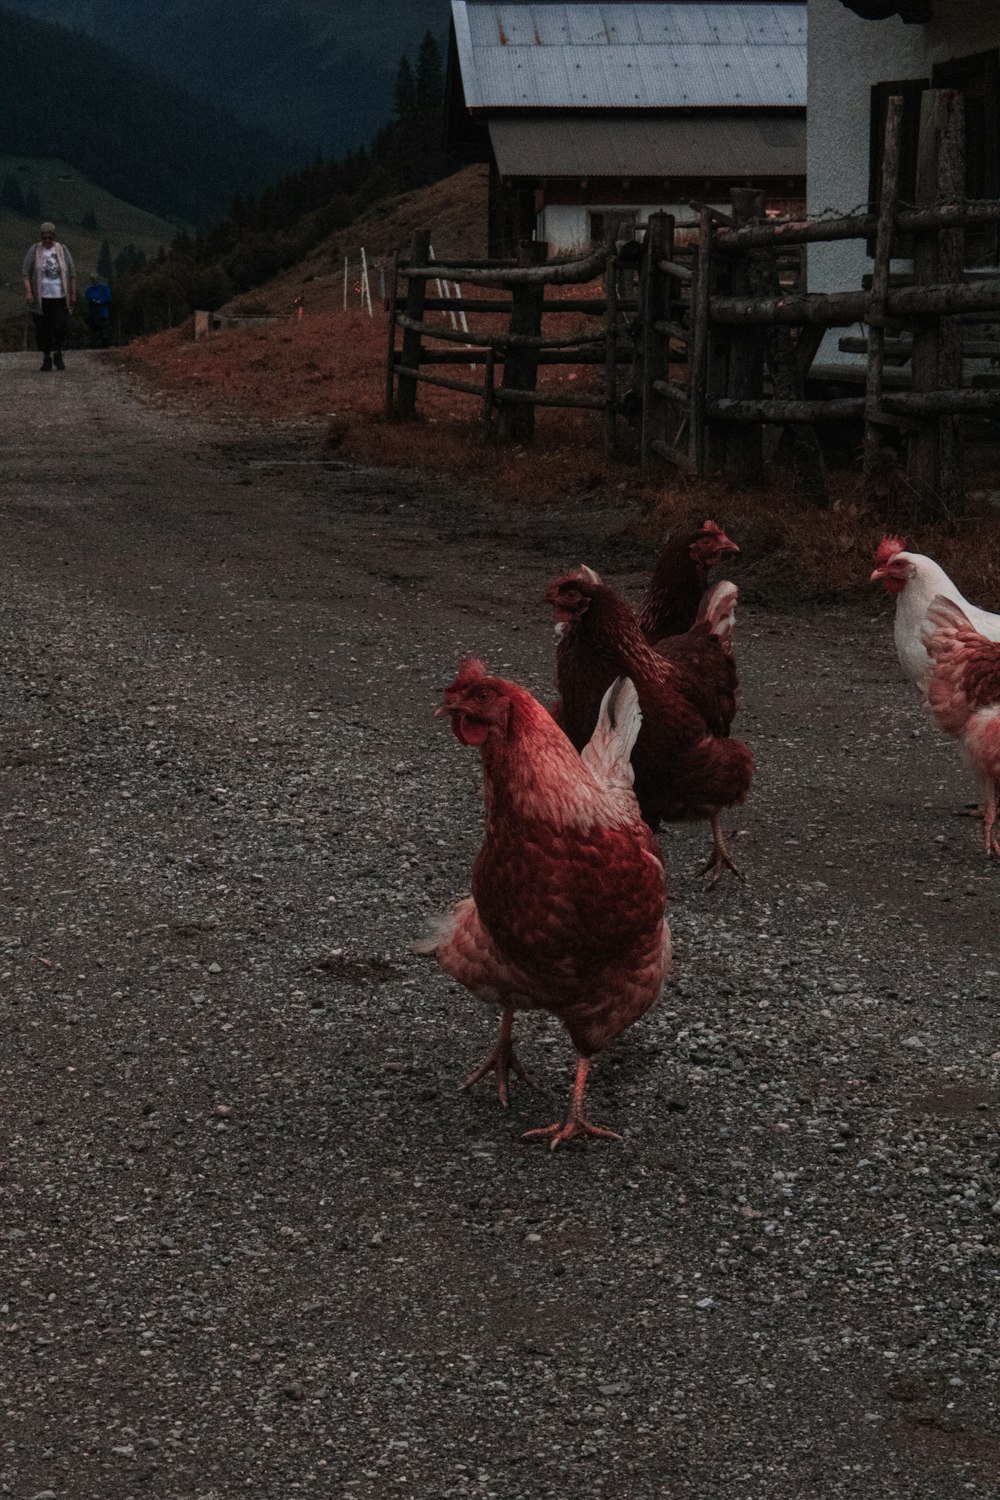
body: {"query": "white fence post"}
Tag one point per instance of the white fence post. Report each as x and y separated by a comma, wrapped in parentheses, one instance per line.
(366, 291)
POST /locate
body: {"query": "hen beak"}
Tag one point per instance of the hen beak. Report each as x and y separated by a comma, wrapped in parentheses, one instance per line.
(441, 711)
(877, 573)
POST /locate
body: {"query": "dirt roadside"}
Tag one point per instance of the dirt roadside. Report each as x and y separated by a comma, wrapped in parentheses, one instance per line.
(252, 1242)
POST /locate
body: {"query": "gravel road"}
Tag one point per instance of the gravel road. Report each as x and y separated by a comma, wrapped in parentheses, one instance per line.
(253, 1243)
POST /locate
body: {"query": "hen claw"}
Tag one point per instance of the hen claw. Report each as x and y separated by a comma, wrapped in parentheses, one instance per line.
(501, 1060)
(714, 865)
(565, 1130)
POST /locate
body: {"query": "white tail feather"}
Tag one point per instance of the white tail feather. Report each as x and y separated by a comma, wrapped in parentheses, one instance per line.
(607, 753)
(441, 930)
(718, 607)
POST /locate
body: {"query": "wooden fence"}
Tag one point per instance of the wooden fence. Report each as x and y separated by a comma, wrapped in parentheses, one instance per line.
(520, 286)
(719, 336)
(752, 343)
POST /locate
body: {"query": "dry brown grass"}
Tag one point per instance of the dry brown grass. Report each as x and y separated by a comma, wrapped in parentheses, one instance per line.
(327, 370)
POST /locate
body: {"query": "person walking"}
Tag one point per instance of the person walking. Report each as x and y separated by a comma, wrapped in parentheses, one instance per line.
(50, 286)
(97, 296)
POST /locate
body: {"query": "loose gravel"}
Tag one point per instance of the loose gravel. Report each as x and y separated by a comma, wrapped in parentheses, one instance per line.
(252, 1240)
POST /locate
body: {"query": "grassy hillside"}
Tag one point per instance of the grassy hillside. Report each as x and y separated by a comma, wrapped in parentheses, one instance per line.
(66, 196)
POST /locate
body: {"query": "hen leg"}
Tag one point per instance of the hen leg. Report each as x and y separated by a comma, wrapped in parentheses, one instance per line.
(992, 839)
(720, 859)
(575, 1122)
(502, 1060)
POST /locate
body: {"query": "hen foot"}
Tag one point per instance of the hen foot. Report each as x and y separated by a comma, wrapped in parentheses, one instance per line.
(575, 1122)
(565, 1130)
(720, 859)
(501, 1060)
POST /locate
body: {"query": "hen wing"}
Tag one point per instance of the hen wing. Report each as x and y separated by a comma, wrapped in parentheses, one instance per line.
(965, 666)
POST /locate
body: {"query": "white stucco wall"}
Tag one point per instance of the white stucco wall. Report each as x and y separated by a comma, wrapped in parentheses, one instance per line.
(846, 56)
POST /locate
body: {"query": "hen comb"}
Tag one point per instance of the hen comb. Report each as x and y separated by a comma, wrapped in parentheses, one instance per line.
(470, 669)
(888, 547)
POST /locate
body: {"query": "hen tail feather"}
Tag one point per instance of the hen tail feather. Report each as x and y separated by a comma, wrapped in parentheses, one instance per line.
(717, 608)
(607, 753)
(442, 929)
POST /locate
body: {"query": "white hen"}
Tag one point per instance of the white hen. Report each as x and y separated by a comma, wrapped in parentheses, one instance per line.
(916, 581)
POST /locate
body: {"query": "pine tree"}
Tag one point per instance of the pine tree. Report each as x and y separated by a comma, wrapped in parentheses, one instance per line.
(105, 265)
(32, 204)
(89, 220)
(405, 103)
(430, 76)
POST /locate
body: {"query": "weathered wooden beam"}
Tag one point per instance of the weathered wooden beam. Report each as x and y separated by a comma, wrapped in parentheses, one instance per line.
(498, 340)
(958, 215)
(698, 363)
(725, 409)
(675, 331)
(655, 357)
(520, 369)
(679, 272)
(672, 455)
(416, 374)
(566, 305)
(949, 403)
(547, 398)
(558, 273)
(610, 357)
(901, 348)
(744, 448)
(390, 359)
(715, 215)
(675, 394)
(933, 459)
(406, 387)
(839, 309)
(880, 288)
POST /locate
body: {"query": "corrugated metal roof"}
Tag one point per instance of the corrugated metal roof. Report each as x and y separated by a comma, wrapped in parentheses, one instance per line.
(631, 56)
(681, 146)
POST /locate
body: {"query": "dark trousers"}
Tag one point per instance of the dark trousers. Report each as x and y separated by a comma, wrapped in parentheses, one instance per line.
(50, 324)
(98, 329)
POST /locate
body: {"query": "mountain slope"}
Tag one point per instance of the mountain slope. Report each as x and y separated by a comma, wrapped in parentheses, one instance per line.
(142, 138)
(318, 71)
(66, 196)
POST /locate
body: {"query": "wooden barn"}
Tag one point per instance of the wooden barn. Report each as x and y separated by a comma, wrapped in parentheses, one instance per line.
(583, 111)
(860, 53)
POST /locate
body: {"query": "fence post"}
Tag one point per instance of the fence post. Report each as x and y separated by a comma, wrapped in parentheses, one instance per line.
(390, 362)
(888, 196)
(416, 293)
(520, 370)
(745, 366)
(489, 378)
(698, 360)
(610, 352)
(654, 303)
(934, 460)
